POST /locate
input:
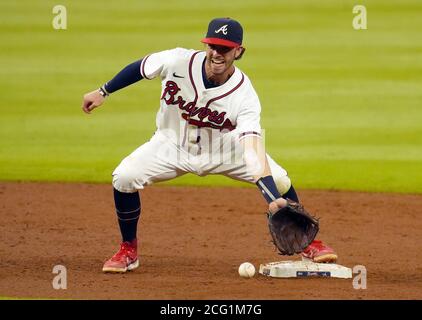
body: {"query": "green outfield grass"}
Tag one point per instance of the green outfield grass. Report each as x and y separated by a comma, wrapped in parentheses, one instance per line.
(342, 108)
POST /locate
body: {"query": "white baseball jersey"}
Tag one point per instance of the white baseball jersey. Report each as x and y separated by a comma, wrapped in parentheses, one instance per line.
(185, 100)
(198, 129)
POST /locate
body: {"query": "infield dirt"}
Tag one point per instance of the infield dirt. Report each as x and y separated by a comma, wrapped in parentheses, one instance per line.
(193, 239)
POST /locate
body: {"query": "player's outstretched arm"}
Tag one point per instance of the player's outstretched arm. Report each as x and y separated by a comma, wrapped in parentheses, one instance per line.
(92, 100)
(255, 157)
(129, 75)
(257, 165)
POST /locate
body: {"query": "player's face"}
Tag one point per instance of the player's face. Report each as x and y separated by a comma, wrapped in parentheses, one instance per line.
(220, 59)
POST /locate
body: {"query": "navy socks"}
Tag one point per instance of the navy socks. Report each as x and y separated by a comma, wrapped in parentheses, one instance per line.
(128, 209)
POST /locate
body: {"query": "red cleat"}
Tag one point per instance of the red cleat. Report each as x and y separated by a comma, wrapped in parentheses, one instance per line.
(125, 259)
(319, 252)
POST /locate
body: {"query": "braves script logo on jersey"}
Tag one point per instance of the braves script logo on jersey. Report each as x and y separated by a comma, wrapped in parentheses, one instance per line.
(207, 117)
(223, 29)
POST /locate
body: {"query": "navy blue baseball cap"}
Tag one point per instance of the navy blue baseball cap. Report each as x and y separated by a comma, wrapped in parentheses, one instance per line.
(224, 32)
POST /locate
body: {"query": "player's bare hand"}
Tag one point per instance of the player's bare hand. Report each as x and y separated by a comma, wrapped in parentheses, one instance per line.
(91, 101)
(276, 205)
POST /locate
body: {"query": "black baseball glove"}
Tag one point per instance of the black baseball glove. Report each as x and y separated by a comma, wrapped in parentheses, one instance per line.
(292, 228)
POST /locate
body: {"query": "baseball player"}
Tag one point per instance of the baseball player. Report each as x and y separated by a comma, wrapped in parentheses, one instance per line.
(208, 123)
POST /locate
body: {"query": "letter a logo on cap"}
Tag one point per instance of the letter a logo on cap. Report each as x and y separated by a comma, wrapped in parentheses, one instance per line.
(223, 29)
(218, 33)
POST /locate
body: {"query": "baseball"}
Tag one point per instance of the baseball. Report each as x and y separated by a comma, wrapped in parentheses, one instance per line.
(246, 270)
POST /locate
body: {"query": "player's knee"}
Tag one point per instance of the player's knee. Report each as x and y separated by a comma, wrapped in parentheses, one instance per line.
(124, 181)
(282, 183)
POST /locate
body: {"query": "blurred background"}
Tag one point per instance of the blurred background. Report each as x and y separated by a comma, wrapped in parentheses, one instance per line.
(342, 108)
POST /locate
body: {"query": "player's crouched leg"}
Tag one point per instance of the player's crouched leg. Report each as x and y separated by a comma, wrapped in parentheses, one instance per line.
(128, 211)
(125, 179)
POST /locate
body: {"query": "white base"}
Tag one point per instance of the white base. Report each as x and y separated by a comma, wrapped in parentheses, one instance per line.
(305, 268)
